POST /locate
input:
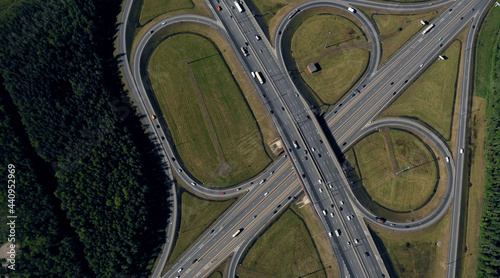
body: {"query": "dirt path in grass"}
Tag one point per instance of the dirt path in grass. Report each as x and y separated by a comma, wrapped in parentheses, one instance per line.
(223, 168)
(340, 49)
(390, 150)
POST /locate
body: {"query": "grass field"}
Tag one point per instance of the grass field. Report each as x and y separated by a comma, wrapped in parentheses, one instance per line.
(342, 62)
(391, 36)
(196, 216)
(383, 154)
(284, 250)
(213, 128)
(417, 254)
(152, 9)
(431, 97)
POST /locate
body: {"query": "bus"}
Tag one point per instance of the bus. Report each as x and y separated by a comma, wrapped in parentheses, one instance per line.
(293, 14)
(237, 232)
(428, 29)
(238, 6)
(259, 77)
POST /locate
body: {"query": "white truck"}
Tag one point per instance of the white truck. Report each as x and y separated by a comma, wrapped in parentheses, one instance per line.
(237, 232)
(238, 6)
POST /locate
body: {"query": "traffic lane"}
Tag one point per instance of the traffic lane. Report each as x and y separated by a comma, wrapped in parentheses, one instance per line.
(398, 57)
(251, 226)
(227, 228)
(236, 258)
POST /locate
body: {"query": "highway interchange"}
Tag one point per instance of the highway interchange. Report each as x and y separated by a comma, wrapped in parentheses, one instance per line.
(347, 124)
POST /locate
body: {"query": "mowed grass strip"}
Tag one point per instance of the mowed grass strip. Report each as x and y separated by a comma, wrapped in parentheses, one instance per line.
(431, 97)
(417, 254)
(380, 160)
(392, 37)
(196, 216)
(178, 101)
(236, 130)
(284, 250)
(342, 62)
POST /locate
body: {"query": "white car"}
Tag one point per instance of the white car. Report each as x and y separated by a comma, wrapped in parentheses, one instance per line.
(193, 184)
(180, 269)
(253, 74)
(349, 243)
(348, 217)
(265, 194)
(341, 202)
(461, 150)
(330, 185)
(330, 234)
(447, 159)
(313, 149)
(331, 214)
(320, 190)
(257, 37)
(319, 181)
(324, 212)
(356, 241)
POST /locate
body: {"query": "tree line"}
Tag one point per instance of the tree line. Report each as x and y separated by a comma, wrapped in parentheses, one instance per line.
(108, 187)
(489, 238)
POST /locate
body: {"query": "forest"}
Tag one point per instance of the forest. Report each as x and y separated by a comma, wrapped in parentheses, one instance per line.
(489, 238)
(91, 184)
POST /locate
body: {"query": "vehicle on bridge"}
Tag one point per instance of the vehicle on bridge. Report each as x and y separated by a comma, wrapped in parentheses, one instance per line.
(238, 6)
(428, 29)
(296, 145)
(351, 9)
(259, 77)
(237, 232)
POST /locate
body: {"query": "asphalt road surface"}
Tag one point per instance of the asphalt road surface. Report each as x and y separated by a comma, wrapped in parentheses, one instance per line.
(291, 119)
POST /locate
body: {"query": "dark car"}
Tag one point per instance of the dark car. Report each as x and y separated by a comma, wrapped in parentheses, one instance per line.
(321, 141)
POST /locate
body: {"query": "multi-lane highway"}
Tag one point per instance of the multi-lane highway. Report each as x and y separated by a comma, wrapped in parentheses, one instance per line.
(314, 161)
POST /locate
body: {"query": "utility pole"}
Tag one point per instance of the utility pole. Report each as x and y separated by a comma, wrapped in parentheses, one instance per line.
(326, 43)
(184, 55)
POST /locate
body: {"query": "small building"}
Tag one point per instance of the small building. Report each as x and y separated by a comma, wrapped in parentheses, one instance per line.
(312, 67)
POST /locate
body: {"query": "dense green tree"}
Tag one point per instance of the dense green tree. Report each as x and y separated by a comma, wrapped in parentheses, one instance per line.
(56, 58)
